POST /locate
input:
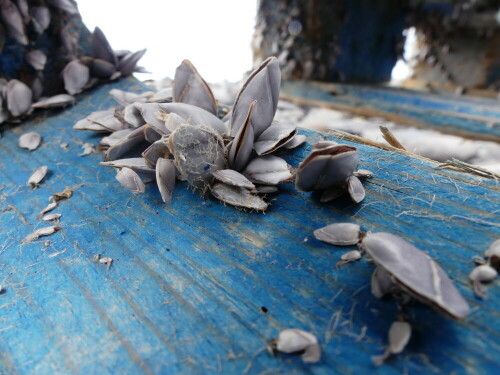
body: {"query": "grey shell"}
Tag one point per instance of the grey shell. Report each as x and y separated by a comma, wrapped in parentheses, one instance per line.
(339, 234)
(325, 167)
(415, 272)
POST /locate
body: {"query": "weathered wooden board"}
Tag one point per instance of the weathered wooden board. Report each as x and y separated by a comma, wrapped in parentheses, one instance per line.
(198, 287)
(465, 116)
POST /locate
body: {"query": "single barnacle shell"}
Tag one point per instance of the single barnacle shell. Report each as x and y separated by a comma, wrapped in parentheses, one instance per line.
(165, 178)
(158, 149)
(399, 335)
(130, 143)
(138, 165)
(297, 340)
(133, 116)
(363, 173)
(99, 68)
(482, 274)
(107, 119)
(237, 196)
(61, 100)
(154, 113)
(296, 141)
(416, 273)
(241, 147)
(40, 18)
(274, 137)
(19, 97)
(47, 231)
(75, 75)
(101, 47)
(113, 138)
(191, 88)
(13, 21)
(130, 180)
(127, 64)
(340, 234)
(36, 59)
(350, 256)
(356, 189)
(233, 178)
(263, 86)
(325, 167)
(37, 176)
(198, 151)
(30, 141)
(268, 170)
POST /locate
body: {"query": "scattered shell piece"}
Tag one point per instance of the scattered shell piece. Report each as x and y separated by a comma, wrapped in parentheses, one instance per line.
(350, 256)
(37, 176)
(51, 217)
(30, 141)
(493, 254)
(340, 234)
(130, 180)
(363, 173)
(49, 208)
(482, 274)
(399, 335)
(65, 194)
(356, 189)
(46, 231)
(297, 341)
(19, 97)
(75, 75)
(36, 59)
(107, 261)
(138, 165)
(88, 148)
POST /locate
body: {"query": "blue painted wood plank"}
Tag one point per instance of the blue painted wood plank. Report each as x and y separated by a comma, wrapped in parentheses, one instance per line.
(188, 283)
(469, 117)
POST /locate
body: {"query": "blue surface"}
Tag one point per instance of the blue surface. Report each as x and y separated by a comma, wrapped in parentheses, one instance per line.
(469, 117)
(188, 281)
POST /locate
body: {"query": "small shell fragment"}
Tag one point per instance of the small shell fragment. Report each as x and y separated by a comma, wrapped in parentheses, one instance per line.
(130, 180)
(363, 173)
(356, 189)
(340, 234)
(138, 165)
(37, 176)
(350, 256)
(296, 340)
(51, 217)
(49, 208)
(399, 335)
(47, 231)
(107, 261)
(482, 274)
(61, 100)
(30, 141)
(65, 194)
(493, 254)
(88, 148)
(36, 59)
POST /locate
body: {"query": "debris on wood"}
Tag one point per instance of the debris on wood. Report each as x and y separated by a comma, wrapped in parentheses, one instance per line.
(46, 231)
(65, 194)
(51, 217)
(293, 341)
(49, 208)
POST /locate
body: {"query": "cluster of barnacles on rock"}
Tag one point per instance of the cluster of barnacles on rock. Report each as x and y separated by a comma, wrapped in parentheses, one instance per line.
(176, 134)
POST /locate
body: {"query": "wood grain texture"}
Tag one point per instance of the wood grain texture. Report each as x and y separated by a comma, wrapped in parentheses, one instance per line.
(467, 117)
(188, 282)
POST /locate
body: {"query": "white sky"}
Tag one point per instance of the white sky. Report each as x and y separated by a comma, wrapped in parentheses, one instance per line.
(215, 35)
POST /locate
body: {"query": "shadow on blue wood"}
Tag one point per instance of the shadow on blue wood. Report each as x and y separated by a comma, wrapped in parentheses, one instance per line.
(469, 117)
(198, 287)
